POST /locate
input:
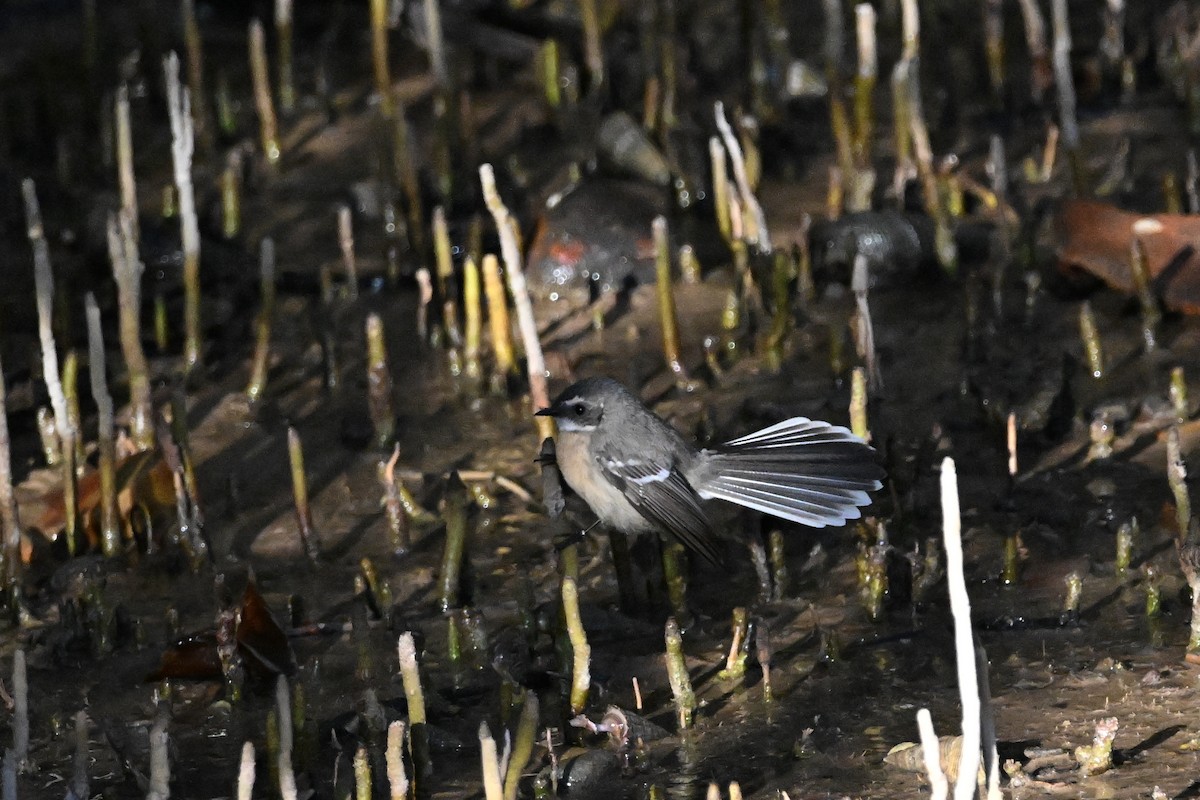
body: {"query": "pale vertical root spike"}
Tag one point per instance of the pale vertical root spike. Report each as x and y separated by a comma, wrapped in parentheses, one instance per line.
(127, 273)
(44, 282)
(492, 784)
(411, 678)
(539, 391)
(160, 761)
(246, 770)
(20, 718)
(581, 651)
(182, 149)
(964, 645)
(283, 29)
(437, 48)
(666, 300)
(522, 745)
(761, 237)
(939, 788)
(125, 176)
(498, 321)
(110, 531)
(397, 778)
(268, 126)
(10, 524)
(379, 57)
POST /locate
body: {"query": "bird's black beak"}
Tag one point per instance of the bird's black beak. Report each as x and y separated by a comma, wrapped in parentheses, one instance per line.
(545, 412)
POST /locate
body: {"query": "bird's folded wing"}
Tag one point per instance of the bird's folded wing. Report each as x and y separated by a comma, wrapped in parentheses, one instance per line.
(664, 497)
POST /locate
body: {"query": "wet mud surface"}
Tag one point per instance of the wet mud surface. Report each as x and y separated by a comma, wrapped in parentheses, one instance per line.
(956, 355)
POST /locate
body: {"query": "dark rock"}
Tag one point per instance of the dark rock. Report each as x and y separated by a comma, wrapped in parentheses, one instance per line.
(895, 244)
(591, 774)
(595, 240)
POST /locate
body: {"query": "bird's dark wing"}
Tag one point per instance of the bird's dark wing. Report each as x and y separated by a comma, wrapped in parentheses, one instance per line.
(664, 496)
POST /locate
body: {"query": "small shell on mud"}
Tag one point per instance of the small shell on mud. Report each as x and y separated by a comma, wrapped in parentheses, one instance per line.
(909, 756)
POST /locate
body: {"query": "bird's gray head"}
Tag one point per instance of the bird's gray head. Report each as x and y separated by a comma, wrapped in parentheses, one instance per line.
(581, 406)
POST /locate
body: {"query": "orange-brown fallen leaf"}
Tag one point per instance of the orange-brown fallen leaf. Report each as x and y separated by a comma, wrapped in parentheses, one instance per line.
(192, 657)
(1095, 238)
(261, 642)
(141, 478)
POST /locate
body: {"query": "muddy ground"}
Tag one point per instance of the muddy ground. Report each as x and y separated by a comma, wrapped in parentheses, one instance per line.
(845, 688)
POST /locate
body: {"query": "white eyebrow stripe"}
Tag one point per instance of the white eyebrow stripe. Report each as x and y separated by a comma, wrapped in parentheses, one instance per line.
(657, 477)
(576, 399)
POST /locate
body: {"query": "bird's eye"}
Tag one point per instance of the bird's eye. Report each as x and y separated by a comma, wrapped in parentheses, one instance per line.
(580, 408)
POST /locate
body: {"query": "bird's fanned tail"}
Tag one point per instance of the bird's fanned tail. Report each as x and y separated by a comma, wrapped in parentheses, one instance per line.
(801, 470)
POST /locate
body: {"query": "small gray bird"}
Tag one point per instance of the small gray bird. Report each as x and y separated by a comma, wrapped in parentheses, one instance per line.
(638, 474)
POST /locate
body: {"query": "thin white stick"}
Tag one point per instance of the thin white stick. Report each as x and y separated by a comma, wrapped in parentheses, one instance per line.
(345, 225)
(910, 25)
(10, 520)
(1062, 75)
(9, 788)
(79, 781)
(493, 788)
(125, 157)
(931, 754)
(96, 368)
(859, 283)
(397, 778)
(283, 711)
(410, 675)
(245, 782)
(283, 708)
(127, 272)
(160, 762)
(1035, 27)
(901, 74)
(834, 34)
(183, 141)
(539, 392)
(20, 723)
(987, 719)
(964, 643)
(922, 148)
(762, 237)
(864, 17)
(1011, 437)
(44, 281)
(437, 48)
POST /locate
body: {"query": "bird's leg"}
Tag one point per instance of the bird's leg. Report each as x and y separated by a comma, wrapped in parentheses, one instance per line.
(552, 483)
(575, 537)
(646, 553)
(627, 588)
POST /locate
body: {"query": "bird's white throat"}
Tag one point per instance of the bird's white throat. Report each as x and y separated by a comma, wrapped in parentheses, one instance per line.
(571, 426)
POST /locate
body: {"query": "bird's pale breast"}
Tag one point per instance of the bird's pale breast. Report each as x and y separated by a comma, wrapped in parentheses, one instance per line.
(582, 474)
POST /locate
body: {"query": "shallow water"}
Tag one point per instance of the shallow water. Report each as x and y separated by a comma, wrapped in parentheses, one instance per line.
(845, 689)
